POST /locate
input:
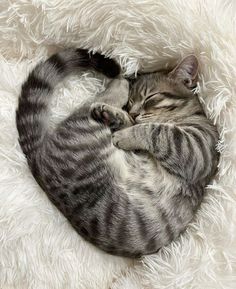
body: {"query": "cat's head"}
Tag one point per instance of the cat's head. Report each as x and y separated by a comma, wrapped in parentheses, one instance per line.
(165, 96)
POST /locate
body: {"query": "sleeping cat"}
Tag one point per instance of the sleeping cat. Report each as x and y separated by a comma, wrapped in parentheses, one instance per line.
(131, 182)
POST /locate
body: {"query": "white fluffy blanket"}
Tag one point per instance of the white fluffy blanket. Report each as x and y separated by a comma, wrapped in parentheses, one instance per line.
(38, 248)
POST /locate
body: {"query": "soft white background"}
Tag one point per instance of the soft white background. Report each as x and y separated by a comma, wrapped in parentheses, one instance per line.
(38, 248)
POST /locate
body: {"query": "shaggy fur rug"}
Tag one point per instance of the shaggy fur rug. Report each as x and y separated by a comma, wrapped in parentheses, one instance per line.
(38, 248)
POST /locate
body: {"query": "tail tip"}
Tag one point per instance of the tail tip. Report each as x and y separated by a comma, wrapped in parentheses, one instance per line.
(107, 66)
(111, 68)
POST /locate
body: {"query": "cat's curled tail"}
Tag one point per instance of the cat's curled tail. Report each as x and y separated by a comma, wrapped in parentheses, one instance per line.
(31, 115)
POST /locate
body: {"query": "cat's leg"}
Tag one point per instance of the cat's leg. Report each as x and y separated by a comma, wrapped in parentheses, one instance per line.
(107, 108)
(116, 94)
(183, 151)
(111, 116)
(133, 138)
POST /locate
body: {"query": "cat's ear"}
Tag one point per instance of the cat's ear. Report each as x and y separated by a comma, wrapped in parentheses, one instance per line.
(186, 71)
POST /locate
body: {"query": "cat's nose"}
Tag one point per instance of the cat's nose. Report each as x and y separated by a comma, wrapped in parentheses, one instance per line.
(134, 114)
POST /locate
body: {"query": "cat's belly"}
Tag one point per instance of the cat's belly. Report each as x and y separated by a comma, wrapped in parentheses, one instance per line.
(141, 176)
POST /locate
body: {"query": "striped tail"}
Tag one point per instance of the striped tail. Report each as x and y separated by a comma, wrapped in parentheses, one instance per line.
(31, 115)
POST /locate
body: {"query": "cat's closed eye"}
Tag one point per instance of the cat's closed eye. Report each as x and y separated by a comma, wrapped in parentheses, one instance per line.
(151, 101)
(150, 96)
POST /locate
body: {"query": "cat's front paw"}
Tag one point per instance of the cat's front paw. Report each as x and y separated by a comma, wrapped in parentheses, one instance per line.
(106, 114)
(121, 139)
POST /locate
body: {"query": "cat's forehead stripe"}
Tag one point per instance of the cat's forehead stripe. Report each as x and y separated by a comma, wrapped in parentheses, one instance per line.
(173, 96)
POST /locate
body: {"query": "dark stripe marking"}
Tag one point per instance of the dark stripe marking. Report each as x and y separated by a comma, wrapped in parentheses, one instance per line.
(94, 228)
(151, 245)
(68, 173)
(173, 96)
(199, 139)
(28, 108)
(154, 136)
(98, 193)
(84, 232)
(168, 229)
(178, 139)
(168, 152)
(34, 83)
(122, 232)
(109, 216)
(143, 230)
(57, 62)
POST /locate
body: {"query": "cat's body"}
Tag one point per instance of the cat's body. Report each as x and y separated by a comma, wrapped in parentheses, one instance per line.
(126, 202)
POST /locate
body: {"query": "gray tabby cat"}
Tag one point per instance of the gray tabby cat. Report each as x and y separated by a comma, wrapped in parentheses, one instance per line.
(128, 183)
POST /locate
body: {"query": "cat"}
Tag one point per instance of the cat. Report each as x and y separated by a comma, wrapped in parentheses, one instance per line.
(128, 181)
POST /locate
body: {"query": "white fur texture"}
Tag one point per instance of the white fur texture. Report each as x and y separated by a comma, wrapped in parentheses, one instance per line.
(38, 248)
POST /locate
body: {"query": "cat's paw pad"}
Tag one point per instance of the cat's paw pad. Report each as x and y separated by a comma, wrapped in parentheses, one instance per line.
(103, 113)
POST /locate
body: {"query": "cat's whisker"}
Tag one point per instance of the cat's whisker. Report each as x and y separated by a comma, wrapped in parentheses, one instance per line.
(146, 117)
